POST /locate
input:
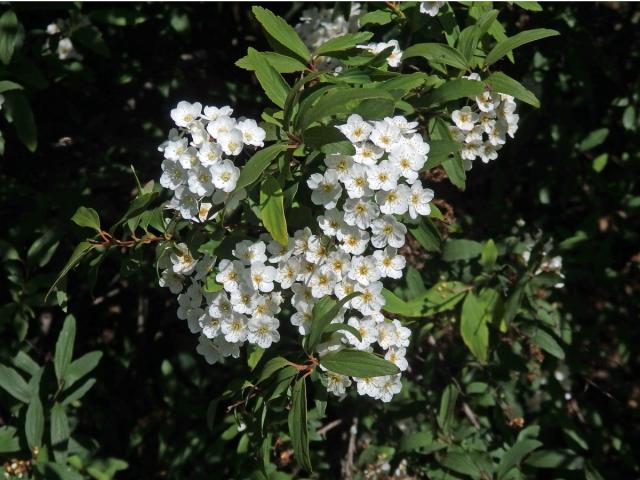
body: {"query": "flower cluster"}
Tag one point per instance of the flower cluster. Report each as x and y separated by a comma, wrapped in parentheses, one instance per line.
(483, 128)
(354, 247)
(198, 165)
(61, 29)
(318, 25)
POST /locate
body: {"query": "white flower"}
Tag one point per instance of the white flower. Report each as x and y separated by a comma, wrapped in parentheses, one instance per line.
(209, 154)
(359, 212)
(244, 299)
(234, 328)
(498, 134)
(249, 252)
(189, 158)
(383, 176)
(395, 57)
(209, 325)
(317, 249)
(394, 201)
(301, 241)
(204, 267)
(340, 163)
(279, 252)
(262, 277)
(182, 260)
(356, 129)
(231, 142)
(387, 231)
(252, 134)
(200, 181)
(486, 103)
(384, 135)
(172, 281)
(213, 113)
(175, 148)
(331, 222)
(344, 288)
(264, 331)
(225, 175)
(403, 124)
(353, 240)
(336, 383)
(387, 387)
(367, 153)
(431, 8)
(203, 211)
(190, 307)
(220, 306)
(389, 263)
(366, 386)
(370, 300)
(302, 296)
(322, 282)
(208, 350)
(230, 274)
(326, 189)
(396, 355)
(367, 330)
(406, 160)
(66, 50)
(53, 29)
(339, 262)
(419, 199)
(185, 113)
(185, 202)
(355, 182)
(288, 272)
(173, 175)
(302, 318)
(221, 126)
(465, 118)
(489, 152)
(363, 270)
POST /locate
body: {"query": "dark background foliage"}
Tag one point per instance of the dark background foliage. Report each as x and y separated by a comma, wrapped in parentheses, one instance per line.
(110, 111)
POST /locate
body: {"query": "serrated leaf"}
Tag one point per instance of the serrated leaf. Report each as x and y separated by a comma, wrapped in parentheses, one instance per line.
(511, 43)
(87, 217)
(282, 32)
(59, 432)
(437, 52)
(14, 384)
(280, 63)
(298, 428)
(272, 210)
(502, 83)
(271, 81)
(357, 363)
(324, 311)
(257, 163)
(473, 328)
(271, 367)
(342, 43)
(461, 249)
(64, 348)
(515, 454)
(34, 423)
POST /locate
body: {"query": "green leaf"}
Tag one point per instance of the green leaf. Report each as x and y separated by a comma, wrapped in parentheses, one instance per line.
(107, 469)
(426, 234)
(77, 391)
(499, 82)
(531, 6)
(447, 407)
(441, 297)
(324, 311)
(34, 423)
(338, 102)
(546, 342)
(14, 384)
(272, 82)
(136, 207)
(282, 32)
(512, 305)
(280, 63)
(8, 35)
(415, 441)
(600, 162)
(59, 432)
(454, 90)
(298, 428)
(64, 348)
(8, 85)
(437, 52)
(57, 471)
(272, 210)
(81, 367)
(461, 250)
(257, 163)
(342, 43)
(376, 17)
(473, 328)
(454, 168)
(594, 139)
(357, 363)
(9, 441)
(559, 458)
(515, 454)
(511, 43)
(25, 363)
(336, 327)
(271, 367)
(87, 217)
(489, 255)
(19, 110)
(440, 151)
